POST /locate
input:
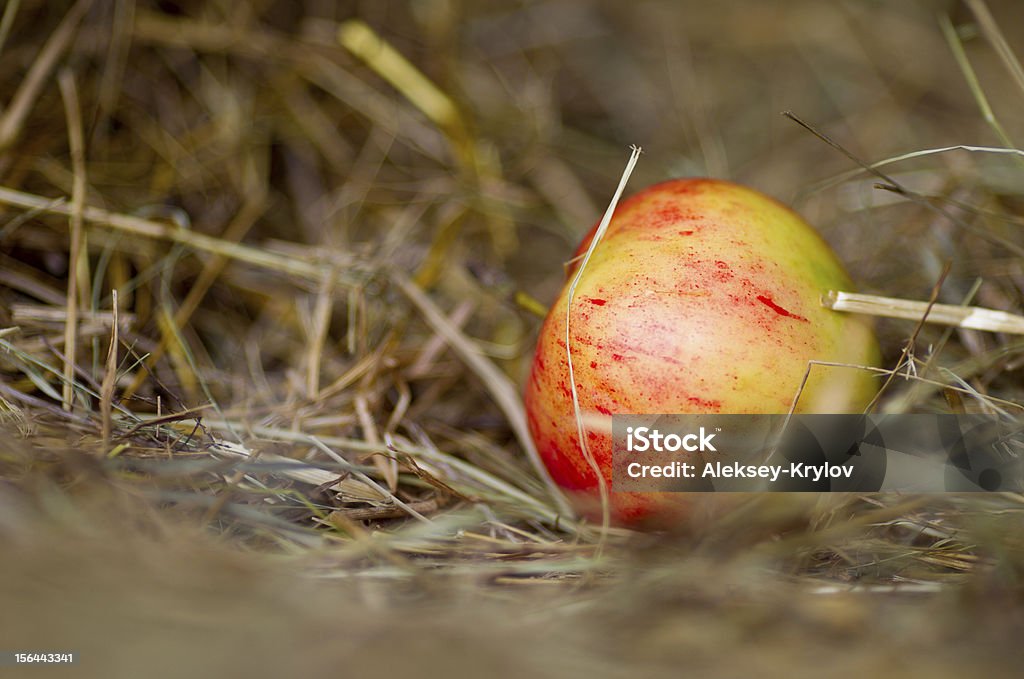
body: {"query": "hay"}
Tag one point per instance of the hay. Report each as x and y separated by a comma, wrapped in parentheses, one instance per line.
(268, 288)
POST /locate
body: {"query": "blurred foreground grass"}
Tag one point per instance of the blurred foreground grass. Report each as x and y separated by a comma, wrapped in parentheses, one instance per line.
(318, 217)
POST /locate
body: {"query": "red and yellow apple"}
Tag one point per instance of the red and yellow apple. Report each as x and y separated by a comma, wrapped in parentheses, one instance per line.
(703, 296)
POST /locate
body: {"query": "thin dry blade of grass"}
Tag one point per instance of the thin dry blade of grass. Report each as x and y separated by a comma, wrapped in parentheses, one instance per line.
(10, 11)
(602, 227)
(950, 34)
(976, 318)
(504, 393)
(990, 27)
(109, 379)
(17, 112)
(78, 266)
(147, 228)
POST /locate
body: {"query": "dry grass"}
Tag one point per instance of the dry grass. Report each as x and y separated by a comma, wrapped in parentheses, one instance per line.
(298, 417)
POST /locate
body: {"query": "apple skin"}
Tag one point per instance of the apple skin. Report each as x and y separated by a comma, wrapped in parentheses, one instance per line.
(703, 296)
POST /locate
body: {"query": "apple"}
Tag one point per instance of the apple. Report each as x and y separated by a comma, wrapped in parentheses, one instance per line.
(703, 296)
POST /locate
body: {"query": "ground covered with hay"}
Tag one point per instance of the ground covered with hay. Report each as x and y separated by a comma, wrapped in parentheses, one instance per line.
(270, 278)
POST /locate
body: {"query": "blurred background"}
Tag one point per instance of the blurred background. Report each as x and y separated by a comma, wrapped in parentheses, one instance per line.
(301, 203)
